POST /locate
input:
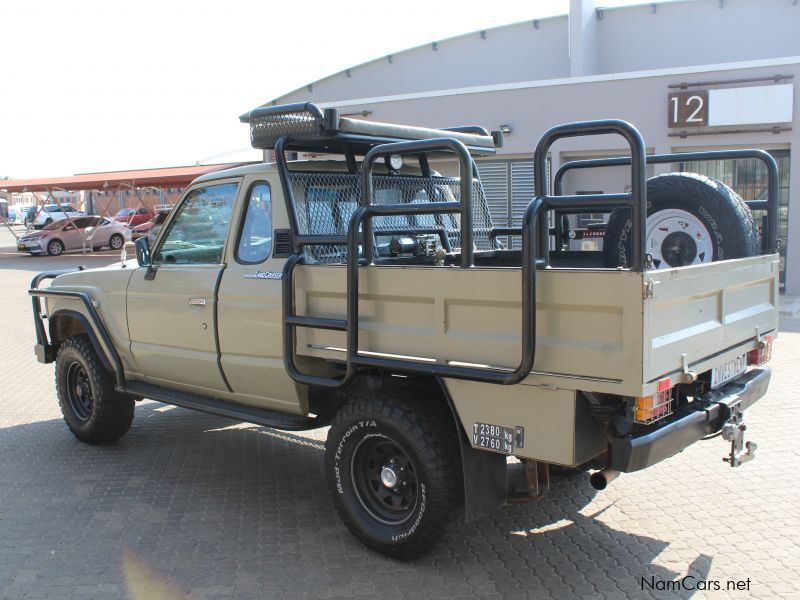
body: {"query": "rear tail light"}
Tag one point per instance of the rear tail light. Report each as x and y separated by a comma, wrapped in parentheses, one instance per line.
(762, 354)
(655, 407)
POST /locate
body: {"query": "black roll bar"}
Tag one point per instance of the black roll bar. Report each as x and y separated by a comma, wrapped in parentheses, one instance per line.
(769, 241)
(636, 199)
(467, 171)
(361, 221)
(361, 217)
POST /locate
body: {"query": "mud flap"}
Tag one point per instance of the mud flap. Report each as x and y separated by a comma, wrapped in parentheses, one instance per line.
(485, 481)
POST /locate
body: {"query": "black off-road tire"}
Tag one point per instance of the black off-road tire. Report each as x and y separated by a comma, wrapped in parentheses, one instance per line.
(107, 414)
(722, 211)
(425, 431)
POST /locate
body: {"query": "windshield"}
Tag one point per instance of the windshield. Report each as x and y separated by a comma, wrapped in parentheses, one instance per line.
(125, 212)
(55, 225)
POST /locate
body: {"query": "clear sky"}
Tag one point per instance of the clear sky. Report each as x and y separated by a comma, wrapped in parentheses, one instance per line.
(93, 85)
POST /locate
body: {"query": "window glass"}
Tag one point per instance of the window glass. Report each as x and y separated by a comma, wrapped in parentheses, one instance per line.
(197, 233)
(255, 242)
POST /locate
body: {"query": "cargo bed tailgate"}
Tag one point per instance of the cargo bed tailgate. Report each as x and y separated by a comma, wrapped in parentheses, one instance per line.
(706, 311)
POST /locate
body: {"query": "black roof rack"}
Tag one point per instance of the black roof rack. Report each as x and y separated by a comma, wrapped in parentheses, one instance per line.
(309, 128)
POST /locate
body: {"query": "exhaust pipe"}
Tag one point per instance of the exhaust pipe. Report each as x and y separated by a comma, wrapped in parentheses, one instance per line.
(601, 479)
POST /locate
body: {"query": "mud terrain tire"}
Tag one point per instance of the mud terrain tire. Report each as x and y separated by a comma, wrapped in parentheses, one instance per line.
(93, 410)
(384, 438)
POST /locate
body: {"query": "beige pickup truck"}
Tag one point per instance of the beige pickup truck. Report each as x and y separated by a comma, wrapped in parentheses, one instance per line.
(359, 288)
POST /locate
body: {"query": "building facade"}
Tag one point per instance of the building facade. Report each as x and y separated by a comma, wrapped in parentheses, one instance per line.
(691, 75)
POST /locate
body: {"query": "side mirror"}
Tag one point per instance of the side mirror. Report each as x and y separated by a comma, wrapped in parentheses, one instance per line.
(143, 252)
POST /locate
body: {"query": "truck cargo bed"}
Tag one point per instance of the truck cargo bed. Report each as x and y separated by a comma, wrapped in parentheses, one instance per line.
(597, 330)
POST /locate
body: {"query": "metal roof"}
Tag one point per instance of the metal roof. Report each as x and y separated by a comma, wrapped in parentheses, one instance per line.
(165, 177)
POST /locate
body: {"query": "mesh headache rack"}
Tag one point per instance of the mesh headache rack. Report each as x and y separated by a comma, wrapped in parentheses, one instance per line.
(313, 129)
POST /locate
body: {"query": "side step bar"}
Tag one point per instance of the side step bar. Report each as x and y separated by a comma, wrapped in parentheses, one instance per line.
(223, 408)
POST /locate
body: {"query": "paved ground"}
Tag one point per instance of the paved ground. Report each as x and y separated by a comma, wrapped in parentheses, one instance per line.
(199, 506)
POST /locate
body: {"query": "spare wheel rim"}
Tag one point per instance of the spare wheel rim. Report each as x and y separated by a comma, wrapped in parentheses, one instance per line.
(676, 238)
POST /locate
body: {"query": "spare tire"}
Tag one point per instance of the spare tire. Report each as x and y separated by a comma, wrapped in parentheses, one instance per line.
(691, 219)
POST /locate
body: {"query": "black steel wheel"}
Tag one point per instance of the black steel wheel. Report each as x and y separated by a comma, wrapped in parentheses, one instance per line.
(384, 479)
(394, 470)
(79, 390)
(93, 410)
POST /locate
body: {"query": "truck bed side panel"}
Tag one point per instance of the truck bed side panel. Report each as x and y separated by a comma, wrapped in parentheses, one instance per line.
(589, 323)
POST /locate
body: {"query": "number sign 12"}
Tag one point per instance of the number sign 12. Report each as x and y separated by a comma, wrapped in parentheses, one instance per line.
(688, 109)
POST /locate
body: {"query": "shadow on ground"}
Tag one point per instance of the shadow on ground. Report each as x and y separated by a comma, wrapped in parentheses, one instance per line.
(200, 503)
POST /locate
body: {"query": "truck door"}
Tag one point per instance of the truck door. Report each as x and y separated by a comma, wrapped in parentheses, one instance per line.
(172, 317)
(249, 309)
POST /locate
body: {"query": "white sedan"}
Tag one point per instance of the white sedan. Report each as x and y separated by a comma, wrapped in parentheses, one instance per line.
(75, 234)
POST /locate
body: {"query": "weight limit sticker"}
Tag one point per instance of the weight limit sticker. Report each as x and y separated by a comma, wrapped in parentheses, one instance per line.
(493, 437)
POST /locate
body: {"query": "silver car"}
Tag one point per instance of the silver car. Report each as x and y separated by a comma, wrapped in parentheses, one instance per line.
(75, 234)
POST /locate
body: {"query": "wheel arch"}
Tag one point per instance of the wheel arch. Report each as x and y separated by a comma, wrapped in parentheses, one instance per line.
(67, 323)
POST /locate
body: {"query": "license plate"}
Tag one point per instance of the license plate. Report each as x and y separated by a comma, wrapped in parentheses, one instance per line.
(493, 437)
(728, 370)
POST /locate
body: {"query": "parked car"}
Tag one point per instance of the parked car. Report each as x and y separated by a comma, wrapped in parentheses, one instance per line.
(22, 214)
(151, 228)
(55, 212)
(71, 234)
(133, 216)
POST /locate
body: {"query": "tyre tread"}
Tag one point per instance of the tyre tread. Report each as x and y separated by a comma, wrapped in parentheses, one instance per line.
(618, 245)
(433, 431)
(113, 411)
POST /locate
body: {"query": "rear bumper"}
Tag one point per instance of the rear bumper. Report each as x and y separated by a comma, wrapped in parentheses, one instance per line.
(703, 417)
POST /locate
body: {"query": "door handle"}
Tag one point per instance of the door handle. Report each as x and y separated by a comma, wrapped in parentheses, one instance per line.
(197, 301)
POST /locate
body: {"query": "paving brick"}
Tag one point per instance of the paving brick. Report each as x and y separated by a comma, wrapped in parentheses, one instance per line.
(195, 504)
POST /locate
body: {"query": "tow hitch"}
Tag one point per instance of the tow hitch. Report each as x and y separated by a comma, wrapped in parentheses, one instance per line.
(733, 432)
